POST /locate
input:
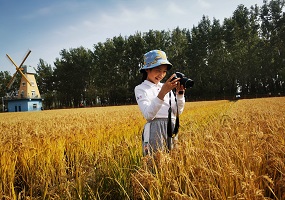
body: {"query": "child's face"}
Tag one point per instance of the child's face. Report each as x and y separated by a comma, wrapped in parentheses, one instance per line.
(155, 75)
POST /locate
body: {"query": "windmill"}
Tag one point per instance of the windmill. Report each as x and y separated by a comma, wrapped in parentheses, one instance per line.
(28, 97)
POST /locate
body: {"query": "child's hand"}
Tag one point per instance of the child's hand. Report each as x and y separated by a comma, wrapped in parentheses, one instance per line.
(168, 86)
(180, 88)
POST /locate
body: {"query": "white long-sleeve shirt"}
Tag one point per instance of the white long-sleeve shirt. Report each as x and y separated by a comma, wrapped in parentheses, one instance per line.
(153, 107)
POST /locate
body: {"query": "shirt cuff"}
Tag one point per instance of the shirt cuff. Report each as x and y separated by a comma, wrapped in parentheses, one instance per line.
(180, 96)
(158, 100)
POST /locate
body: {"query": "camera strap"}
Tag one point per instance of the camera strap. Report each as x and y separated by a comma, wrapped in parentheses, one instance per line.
(173, 133)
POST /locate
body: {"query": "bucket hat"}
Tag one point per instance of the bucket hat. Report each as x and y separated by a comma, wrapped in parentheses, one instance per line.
(155, 58)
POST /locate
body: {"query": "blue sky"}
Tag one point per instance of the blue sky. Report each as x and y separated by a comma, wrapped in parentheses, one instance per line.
(48, 26)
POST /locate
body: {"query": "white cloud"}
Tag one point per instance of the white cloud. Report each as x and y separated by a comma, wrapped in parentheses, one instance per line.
(44, 11)
(204, 4)
(175, 8)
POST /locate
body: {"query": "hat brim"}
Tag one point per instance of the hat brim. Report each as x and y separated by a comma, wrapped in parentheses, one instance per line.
(161, 62)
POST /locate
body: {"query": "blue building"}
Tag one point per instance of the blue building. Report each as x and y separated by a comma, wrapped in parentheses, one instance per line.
(19, 105)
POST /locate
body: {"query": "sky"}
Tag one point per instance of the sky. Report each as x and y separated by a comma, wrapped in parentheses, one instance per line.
(48, 26)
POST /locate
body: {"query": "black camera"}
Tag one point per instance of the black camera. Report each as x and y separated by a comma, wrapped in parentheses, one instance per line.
(186, 82)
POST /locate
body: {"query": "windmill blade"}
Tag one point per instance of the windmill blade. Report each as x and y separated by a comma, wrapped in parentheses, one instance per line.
(25, 77)
(12, 80)
(19, 68)
(25, 58)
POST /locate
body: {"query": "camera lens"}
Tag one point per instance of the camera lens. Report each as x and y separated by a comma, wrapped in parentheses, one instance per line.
(186, 82)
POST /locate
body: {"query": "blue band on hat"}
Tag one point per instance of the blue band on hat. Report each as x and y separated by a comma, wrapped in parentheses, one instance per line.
(155, 58)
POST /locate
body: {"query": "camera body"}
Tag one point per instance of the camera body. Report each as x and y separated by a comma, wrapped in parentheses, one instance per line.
(186, 82)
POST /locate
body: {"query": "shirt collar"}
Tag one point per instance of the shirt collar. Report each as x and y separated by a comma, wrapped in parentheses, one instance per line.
(151, 84)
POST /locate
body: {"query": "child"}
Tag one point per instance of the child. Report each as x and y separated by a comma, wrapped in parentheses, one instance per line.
(154, 99)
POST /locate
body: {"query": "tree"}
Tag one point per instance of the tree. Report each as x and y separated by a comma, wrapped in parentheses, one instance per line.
(156, 40)
(45, 81)
(5, 77)
(106, 69)
(241, 43)
(272, 46)
(177, 50)
(72, 75)
(200, 51)
(217, 56)
(135, 49)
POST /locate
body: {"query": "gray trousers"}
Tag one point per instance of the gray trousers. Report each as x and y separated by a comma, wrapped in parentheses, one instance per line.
(154, 136)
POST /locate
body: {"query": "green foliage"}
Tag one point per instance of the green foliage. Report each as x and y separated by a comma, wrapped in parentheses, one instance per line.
(5, 77)
(45, 81)
(72, 75)
(246, 49)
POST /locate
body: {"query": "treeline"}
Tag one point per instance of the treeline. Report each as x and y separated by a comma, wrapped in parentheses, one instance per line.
(245, 52)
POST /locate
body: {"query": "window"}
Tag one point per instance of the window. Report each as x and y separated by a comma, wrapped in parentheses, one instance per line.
(22, 94)
(33, 93)
(35, 106)
(24, 84)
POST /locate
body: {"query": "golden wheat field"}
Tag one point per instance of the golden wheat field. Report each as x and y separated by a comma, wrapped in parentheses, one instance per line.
(227, 150)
